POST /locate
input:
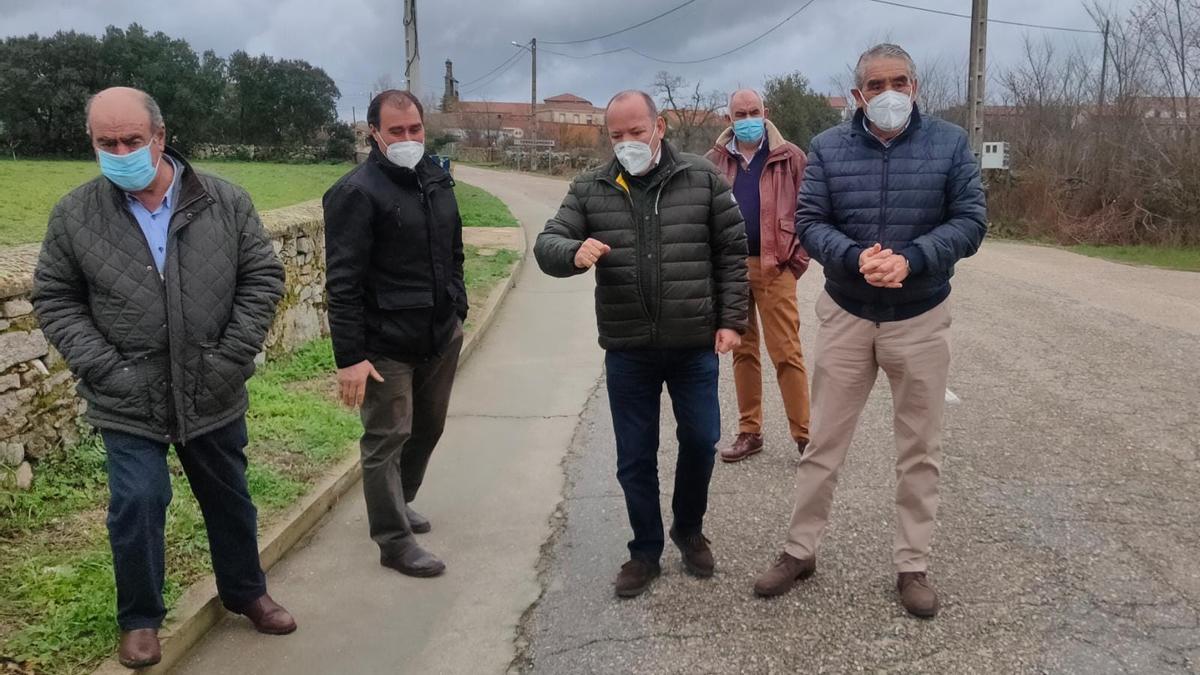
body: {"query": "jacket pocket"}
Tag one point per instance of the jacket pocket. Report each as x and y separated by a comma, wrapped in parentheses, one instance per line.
(221, 382)
(122, 390)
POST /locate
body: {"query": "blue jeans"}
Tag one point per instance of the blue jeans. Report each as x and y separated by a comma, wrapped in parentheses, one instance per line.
(140, 490)
(635, 382)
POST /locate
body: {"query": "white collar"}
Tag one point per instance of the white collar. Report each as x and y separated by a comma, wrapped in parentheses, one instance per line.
(867, 125)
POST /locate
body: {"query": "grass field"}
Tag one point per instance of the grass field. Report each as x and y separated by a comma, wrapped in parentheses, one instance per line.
(57, 611)
(1187, 259)
(30, 188)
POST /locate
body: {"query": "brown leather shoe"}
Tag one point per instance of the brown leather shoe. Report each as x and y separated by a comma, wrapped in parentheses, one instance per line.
(784, 574)
(635, 577)
(139, 648)
(268, 616)
(801, 445)
(917, 594)
(697, 556)
(743, 446)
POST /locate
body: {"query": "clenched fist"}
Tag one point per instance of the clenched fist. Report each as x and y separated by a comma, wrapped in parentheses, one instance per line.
(591, 251)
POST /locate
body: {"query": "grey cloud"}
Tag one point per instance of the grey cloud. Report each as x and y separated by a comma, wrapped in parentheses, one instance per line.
(356, 41)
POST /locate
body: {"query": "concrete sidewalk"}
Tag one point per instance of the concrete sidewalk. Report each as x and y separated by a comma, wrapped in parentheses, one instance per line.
(492, 488)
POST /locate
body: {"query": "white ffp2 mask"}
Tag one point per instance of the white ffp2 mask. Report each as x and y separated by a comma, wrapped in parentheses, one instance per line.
(890, 110)
(635, 156)
(405, 153)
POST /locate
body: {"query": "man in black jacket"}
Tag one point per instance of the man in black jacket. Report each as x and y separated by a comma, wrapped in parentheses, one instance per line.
(669, 247)
(158, 285)
(397, 300)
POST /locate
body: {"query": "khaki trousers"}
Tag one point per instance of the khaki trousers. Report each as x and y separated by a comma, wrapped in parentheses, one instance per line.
(773, 302)
(915, 355)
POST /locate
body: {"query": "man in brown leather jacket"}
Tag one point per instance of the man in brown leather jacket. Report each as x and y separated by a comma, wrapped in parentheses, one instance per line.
(765, 171)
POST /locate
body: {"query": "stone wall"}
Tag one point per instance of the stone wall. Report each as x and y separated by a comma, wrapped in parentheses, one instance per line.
(39, 412)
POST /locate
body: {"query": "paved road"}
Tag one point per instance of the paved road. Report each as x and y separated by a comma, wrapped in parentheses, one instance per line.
(1069, 530)
(1067, 540)
(491, 491)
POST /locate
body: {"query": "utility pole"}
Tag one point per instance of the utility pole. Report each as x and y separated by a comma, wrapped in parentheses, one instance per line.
(412, 49)
(977, 77)
(1104, 69)
(533, 127)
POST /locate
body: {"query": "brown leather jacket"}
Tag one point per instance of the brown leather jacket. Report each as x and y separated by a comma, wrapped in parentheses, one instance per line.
(779, 186)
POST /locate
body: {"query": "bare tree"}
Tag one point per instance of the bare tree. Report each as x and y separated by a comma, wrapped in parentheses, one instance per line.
(693, 117)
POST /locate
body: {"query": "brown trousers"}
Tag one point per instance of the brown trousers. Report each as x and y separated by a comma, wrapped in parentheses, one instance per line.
(403, 418)
(774, 302)
(915, 355)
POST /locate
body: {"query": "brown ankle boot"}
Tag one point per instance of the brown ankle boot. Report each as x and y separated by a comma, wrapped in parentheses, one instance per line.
(635, 577)
(743, 446)
(784, 574)
(268, 616)
(139, 648)
(917, 594)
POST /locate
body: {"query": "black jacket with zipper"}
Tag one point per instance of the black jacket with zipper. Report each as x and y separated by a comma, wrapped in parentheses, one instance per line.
(394, 262)
(677, 269)
(162, 357)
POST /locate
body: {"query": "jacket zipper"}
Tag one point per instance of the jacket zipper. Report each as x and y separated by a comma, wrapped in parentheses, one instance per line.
(883, 212)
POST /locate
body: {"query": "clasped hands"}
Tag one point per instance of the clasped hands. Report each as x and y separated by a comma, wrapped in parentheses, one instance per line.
(883, 268)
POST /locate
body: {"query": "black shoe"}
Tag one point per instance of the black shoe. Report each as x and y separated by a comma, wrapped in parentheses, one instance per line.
(412, 560)
(697, 556)
(419, 523)
(635, 577)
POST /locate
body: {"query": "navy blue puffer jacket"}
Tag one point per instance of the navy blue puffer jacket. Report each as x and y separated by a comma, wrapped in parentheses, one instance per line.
(920, 196)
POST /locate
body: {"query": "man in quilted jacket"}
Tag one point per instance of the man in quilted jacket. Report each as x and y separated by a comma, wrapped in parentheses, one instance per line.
(157, 284)
(891, 200)
(667, 242)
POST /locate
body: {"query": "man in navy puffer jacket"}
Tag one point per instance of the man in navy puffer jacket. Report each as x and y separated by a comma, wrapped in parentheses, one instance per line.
(890, 202)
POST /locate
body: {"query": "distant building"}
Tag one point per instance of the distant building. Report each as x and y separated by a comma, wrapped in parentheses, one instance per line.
(566, 118)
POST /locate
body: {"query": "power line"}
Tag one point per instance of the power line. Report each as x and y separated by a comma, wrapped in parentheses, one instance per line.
(723, 54)
(510, 59)
(618, 32)
(968, 16)
(483, 85)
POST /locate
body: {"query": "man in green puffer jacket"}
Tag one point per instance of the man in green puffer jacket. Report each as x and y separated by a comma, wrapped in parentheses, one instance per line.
(669, 247)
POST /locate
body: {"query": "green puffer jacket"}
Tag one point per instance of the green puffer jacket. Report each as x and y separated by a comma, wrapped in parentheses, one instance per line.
(677, 269)
(167, 357)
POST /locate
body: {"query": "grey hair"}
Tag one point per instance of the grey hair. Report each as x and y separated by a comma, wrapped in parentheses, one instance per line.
(622, 95)
(152, 109)
(885, 50)
(729, 106)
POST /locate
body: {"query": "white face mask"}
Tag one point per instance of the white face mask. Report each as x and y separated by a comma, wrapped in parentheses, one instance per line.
(890, 110)
(405, 153)
(635, 156)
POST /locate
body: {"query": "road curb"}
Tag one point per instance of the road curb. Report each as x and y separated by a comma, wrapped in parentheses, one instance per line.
(199, 609)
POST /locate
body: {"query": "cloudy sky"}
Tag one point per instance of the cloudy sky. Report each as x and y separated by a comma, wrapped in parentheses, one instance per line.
(359, 41)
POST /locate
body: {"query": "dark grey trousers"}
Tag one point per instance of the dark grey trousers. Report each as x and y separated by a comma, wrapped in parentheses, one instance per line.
(403, 418)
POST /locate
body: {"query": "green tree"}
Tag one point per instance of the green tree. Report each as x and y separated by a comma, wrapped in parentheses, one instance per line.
(44, 84)
(798, 111)
(170, 71)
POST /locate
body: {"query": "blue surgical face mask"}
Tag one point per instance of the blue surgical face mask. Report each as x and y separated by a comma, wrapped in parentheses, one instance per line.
(132, 172)
(749, 130)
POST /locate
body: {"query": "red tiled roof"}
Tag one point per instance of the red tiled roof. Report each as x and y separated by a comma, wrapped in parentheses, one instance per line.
(568, 98)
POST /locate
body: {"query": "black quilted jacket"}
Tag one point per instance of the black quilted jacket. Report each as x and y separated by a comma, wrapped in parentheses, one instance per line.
(677, 269)
(160, 357)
